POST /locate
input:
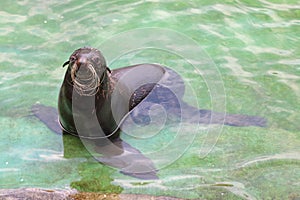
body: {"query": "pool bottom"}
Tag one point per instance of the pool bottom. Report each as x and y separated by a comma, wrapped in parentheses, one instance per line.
(69, 194)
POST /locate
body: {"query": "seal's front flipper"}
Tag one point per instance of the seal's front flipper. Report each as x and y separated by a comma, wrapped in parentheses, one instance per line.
(123, 156)
(127, 159)
(48, 115)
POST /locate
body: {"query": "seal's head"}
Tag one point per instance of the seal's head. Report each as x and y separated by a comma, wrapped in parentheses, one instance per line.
(87, 69)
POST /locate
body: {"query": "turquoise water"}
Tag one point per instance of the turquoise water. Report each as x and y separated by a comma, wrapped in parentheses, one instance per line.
(253, 44)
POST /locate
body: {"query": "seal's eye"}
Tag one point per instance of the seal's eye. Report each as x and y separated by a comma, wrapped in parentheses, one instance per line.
(72, 59)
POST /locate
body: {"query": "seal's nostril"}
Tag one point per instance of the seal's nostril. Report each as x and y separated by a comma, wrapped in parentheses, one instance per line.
(78, 63)
(81, 61)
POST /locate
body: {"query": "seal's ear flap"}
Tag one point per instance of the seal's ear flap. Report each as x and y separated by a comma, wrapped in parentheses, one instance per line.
(108, 70)
(66, 63)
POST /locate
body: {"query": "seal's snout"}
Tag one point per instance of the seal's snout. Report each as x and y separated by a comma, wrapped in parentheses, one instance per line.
(83, 68)
(80, 66)
(87, 68)
(81, 61)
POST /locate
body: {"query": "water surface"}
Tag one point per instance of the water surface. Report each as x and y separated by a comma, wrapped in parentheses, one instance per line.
(254, 45)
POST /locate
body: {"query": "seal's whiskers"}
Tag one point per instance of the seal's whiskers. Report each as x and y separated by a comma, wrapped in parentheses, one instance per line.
(86, 82)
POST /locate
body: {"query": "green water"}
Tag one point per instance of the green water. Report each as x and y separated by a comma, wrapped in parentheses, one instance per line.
(255, 46)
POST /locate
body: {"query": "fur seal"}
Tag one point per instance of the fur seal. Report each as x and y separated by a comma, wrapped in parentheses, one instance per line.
(90, 90)
(88, 77)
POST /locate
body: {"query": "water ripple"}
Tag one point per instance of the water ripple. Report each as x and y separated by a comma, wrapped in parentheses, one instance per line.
(11, 18)
(282, 156)
(280, 6)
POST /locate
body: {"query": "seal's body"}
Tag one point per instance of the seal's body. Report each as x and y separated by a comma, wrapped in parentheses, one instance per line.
(94, 101)
(92, 91)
